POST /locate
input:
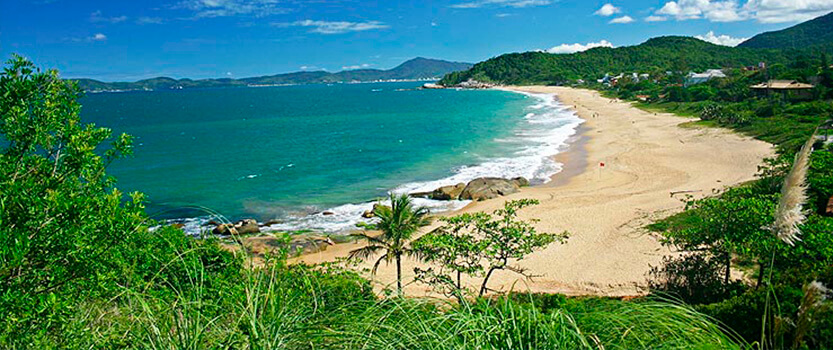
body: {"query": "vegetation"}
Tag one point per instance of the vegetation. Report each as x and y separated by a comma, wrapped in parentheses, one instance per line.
(397, 224)
(811, 33)
(417, 68)
(478, 245)
(655, 57)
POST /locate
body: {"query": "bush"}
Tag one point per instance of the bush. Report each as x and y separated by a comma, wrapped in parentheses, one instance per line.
(695, 278)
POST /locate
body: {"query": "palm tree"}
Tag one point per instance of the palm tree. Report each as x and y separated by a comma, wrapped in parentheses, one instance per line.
(397, 224)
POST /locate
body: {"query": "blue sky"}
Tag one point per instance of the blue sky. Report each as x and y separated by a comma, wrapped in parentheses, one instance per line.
(129, 40)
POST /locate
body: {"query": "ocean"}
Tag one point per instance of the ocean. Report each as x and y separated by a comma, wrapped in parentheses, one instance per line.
(291, 153)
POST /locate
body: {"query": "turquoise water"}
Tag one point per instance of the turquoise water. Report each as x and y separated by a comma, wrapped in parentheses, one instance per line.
(289, 152)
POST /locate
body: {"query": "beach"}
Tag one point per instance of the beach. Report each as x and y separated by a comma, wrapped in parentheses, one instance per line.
(625, 168)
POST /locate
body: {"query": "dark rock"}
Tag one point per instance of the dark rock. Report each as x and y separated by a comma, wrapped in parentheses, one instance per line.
(368, 214)
(448, 192)
(272, 222)
(487, 188)
(420, 194)
(247, 226)
(328, 213)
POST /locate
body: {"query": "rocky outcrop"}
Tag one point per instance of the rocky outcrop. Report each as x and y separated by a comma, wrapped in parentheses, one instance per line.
(488, 187)
(247, 226)
(448, 192)
(308, 245)
(521, 181)
(224, 230)
(242, 227)
(829, 210)
(372, 213)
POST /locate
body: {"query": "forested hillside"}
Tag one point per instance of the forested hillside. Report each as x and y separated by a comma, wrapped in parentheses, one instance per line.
(671, 53)
(815, 32)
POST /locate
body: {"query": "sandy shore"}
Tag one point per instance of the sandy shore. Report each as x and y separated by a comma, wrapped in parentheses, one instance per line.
(646, 156)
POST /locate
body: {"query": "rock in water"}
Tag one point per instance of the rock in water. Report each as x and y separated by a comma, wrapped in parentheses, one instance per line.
(488, 187)
(521, 181)
(224, 230)
(448, 192)
(247, 226)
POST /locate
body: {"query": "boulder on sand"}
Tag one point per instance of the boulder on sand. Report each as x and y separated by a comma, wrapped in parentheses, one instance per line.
(521, 181)
(372, 212)
(451, 192)
(488, 187)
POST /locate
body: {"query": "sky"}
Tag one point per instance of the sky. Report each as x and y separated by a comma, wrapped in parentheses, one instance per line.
(119, 40)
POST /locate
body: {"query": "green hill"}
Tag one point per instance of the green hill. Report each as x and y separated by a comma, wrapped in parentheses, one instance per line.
(671, 53)
(417, 68)
(815, 32)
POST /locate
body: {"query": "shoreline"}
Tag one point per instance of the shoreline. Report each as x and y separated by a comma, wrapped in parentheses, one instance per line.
(604, 209)
(547, 131)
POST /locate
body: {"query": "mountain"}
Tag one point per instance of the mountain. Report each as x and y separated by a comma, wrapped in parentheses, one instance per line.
(670, 53)
(417, 68)
(818, 31)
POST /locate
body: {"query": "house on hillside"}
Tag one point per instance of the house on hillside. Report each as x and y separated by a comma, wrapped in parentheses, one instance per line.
(697, 78)
(790, 89)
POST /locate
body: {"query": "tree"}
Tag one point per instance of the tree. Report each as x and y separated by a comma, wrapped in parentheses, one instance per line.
(456, 252)
(61, 220)
(397, 224)
(476, 243)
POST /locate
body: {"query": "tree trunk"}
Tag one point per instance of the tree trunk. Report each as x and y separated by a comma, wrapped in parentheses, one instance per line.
(399, 274)
(459, 291)
(486, 280)
(728, 268)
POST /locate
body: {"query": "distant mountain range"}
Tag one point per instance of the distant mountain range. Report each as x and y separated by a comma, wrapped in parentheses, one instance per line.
(818, 31)
(414, 69)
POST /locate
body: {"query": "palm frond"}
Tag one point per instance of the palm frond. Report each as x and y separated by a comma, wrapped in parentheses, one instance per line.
(376, 264)
(364, 252)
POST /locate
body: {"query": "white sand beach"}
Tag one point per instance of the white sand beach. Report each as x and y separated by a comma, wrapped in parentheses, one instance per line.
(646, 157)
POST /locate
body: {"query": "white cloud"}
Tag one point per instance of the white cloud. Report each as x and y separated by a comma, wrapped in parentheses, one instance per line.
(622, 20)
(357, 66)
(607, 10)
(224, 8)
(149, 20)
(775, 11)
(503, 15)
(724, 40)
(337, 27)
(655, 19)
(98, 37)
(765, 11)
(501, 3)
(577, 47)
(96, 17)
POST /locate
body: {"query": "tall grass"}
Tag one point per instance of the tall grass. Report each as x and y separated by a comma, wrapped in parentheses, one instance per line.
(302, 307)
(504, 323)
